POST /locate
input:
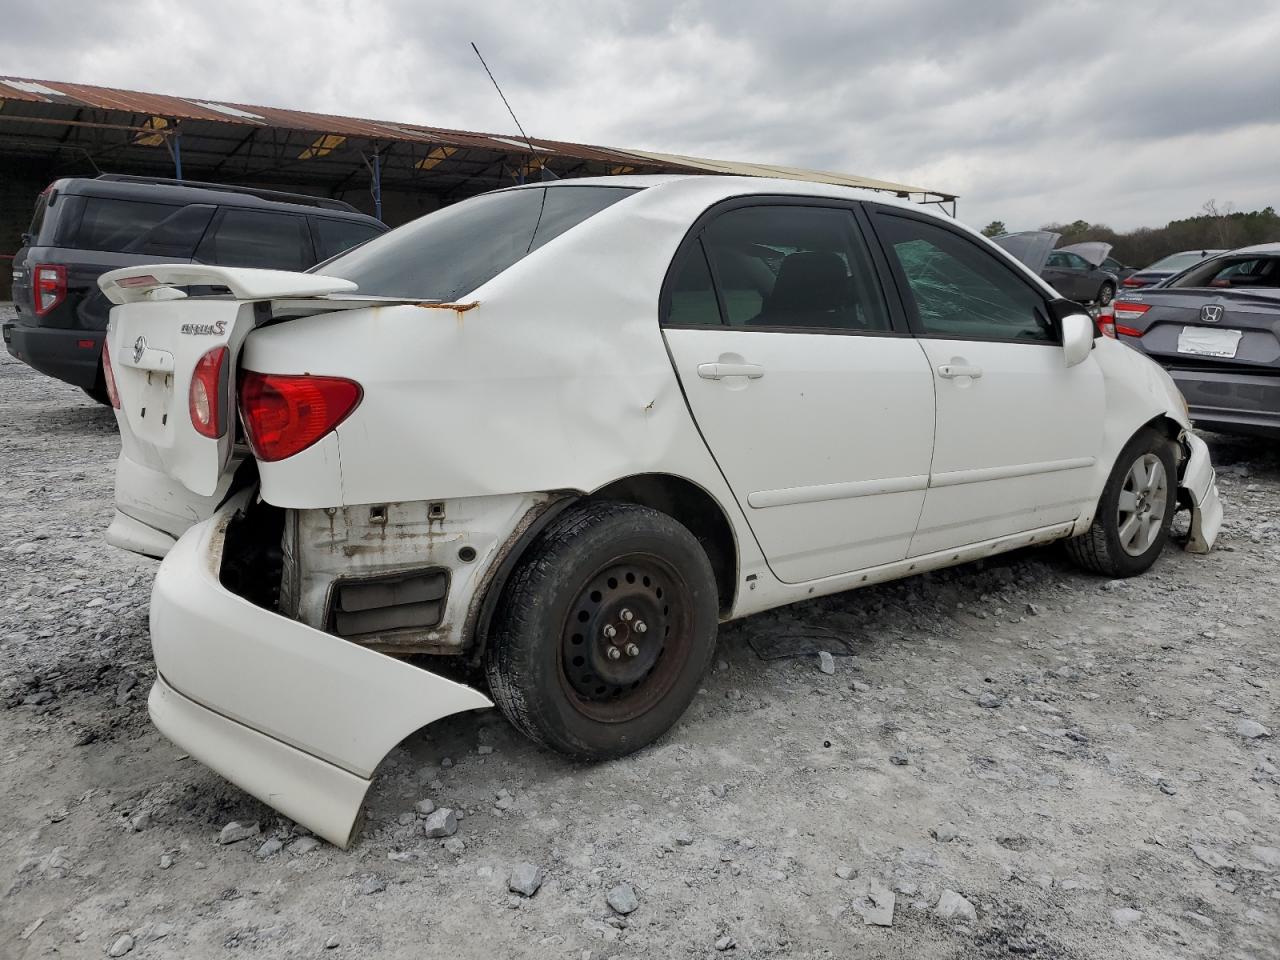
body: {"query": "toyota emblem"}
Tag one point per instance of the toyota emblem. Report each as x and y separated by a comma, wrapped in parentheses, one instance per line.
(139, 348)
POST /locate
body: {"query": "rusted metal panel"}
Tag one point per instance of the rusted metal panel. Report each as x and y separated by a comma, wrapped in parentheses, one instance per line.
(333, 130)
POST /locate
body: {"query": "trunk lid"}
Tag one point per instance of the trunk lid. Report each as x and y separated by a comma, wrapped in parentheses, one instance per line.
(1095, 251)
(1031, 247)
(176, 476)
(1199, 328)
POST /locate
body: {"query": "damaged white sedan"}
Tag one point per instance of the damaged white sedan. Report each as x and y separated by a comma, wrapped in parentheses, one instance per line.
(564, 430)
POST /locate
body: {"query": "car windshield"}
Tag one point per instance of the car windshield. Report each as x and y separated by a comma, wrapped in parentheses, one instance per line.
(449, 253)
(1238, 271)
(1179, 261)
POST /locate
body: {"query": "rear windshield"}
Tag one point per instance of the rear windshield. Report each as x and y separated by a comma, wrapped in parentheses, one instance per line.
(1178, 261)
(1240, 271)
(37, 219)
(451, 252)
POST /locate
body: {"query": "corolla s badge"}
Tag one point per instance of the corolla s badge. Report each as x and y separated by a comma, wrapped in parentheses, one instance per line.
(139, 348)
(1211, 313)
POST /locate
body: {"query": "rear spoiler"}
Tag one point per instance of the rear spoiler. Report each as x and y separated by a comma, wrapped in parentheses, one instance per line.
(159, 282)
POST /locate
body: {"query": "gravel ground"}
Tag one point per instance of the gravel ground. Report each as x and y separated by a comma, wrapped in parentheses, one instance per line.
(1017, 760)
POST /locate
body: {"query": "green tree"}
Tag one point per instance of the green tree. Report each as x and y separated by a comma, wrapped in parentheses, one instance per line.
(994, 229)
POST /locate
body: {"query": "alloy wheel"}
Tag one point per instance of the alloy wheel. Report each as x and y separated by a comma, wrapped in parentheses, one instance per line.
(1143, 499)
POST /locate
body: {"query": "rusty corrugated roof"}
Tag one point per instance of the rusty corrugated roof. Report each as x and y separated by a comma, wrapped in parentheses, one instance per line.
(166, 108)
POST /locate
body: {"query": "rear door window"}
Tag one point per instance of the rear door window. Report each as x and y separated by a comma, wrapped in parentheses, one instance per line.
(258, 238)
(690, 295)
(114, 225)
(335, 236)
(779, 266)
(453, 251)
(177, 235)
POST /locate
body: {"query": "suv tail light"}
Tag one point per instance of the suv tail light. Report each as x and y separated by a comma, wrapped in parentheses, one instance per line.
(48, 287)
(109, 376)
(284, 415)
(206, 400)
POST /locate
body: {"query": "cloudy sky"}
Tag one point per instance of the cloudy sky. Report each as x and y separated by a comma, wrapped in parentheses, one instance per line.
(1126, 113)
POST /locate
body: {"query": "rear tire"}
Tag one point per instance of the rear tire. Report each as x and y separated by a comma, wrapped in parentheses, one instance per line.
(1106, 293)
(98, 392)
(1131, 525)
(603, 631)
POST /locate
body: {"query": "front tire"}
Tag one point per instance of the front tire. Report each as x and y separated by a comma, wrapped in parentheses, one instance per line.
(1135, 511)
(603, 631)
(1106, 293)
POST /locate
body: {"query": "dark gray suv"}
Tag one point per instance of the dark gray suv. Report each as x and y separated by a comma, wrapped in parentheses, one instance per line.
(84, 227)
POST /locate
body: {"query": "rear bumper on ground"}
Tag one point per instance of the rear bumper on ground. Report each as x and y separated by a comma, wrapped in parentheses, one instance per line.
(1200, 484)
(295, 716)
(69, 355)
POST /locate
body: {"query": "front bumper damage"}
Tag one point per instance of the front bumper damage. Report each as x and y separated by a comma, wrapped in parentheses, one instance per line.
(295, 716)
(1199, 487)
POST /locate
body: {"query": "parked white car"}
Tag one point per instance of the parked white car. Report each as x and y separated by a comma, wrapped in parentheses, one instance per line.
(563, 430)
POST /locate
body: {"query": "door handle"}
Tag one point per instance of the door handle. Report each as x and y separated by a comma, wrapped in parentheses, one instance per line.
(949, 371)
(718, 371)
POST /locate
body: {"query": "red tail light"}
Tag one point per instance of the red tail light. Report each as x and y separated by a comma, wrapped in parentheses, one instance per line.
(48, 287)
(110, 377)
(1132, 282)
(206, 400)
(1106, 322)
(1127, 311)
(284, 415)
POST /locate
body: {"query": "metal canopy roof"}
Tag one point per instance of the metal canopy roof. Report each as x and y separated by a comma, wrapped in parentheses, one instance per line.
(85, 128)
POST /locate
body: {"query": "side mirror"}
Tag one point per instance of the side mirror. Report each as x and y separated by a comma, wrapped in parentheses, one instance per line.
(1077, 338)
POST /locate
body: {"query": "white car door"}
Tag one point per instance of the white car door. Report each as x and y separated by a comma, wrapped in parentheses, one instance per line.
(1017, 430)
(815, 403)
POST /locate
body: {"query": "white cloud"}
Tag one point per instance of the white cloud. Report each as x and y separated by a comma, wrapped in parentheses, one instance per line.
(1129, 114)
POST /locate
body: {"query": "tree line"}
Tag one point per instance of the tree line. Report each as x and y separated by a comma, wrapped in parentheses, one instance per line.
(1215, 227)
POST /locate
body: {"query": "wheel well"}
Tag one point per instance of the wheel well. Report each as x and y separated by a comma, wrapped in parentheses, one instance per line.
(686, 502)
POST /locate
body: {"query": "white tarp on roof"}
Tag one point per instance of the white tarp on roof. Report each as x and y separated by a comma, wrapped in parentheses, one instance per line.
(732, 167)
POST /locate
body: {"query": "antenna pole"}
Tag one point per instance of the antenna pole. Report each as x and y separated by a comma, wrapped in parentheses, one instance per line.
(504, 99)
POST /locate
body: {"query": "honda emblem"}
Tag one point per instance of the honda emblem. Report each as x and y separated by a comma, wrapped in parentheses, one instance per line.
(1210, 313)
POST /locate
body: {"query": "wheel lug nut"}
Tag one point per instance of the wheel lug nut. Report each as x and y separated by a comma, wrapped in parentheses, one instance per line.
(614, 653)
(632, 650)
(641, 626)
(610, 631)
(627, 614)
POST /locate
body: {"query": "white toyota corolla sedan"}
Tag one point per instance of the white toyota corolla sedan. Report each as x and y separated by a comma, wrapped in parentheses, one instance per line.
(564, 430)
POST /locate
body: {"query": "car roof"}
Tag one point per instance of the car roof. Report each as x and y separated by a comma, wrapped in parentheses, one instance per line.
(178, 192)
(1257, 248)
(737, 186)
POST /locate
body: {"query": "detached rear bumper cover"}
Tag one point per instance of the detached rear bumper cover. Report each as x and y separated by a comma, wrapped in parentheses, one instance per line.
(297, 717)
(1200, 482)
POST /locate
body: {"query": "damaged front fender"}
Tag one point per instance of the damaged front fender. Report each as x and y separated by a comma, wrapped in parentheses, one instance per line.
(295, 716)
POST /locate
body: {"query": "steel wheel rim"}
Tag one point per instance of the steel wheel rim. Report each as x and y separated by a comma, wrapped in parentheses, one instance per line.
(635, 606)
(1143, 498)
